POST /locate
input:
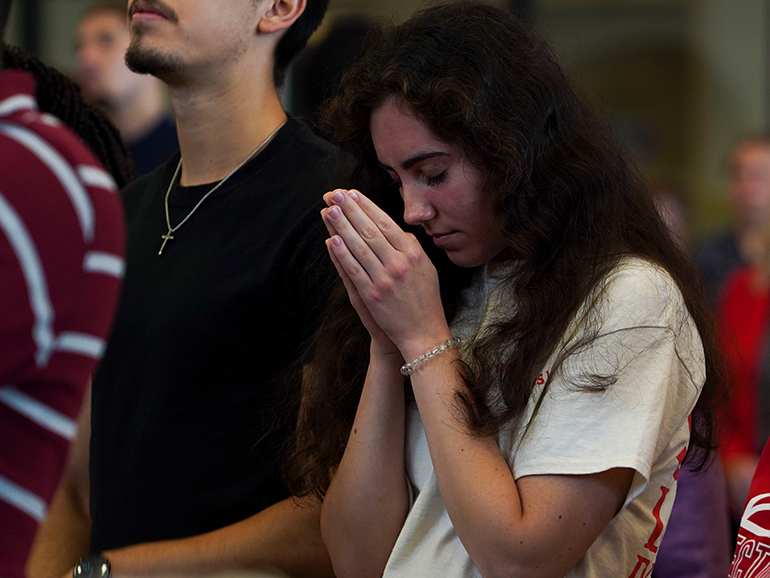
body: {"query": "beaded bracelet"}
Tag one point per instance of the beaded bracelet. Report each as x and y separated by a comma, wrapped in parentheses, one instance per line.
(408, 368)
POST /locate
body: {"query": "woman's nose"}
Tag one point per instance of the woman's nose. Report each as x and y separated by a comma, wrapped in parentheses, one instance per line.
(417, 208)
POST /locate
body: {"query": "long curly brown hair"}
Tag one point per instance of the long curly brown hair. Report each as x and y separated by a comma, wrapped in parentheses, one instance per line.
(570, 200)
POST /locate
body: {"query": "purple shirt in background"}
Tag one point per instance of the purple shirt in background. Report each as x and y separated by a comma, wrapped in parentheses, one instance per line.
(697, 541)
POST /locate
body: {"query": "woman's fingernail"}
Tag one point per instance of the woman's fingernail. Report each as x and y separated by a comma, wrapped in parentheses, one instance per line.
(336, 241)
(338, 197)
(354, 195)
(334, 213)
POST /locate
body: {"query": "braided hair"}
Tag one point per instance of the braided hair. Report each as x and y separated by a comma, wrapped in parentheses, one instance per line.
(61, 97)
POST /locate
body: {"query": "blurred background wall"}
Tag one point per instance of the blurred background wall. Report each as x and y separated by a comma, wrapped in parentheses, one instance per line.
(679, 80)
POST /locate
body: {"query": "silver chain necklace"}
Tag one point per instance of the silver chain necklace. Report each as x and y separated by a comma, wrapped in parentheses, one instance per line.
(169, 236)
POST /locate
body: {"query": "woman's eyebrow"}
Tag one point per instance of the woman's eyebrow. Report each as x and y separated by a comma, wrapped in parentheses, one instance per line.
(409, 163)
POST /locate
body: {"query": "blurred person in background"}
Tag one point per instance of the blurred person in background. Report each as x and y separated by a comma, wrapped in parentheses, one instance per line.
(744, 309)
(735, 264)
(135, 103)
(749, 195)
(61, 264)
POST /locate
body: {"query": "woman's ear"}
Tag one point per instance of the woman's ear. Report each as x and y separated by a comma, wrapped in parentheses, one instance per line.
(280, 15)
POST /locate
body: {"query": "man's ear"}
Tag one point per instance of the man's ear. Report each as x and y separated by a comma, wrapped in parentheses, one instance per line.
(280, 15)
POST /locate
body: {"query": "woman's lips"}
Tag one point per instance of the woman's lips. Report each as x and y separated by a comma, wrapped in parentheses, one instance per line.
(442, 239)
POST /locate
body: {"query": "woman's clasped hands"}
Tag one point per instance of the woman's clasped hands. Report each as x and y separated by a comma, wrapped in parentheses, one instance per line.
(390, 280)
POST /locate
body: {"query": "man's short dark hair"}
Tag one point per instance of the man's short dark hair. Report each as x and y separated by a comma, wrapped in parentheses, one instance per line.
(296, 37)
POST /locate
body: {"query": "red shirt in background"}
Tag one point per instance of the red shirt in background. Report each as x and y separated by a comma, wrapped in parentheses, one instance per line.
(745, 316)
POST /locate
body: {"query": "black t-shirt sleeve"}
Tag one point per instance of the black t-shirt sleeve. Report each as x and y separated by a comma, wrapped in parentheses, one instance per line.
(310, 272)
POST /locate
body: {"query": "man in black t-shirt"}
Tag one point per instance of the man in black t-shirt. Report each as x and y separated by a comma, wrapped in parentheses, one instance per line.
(224, 279)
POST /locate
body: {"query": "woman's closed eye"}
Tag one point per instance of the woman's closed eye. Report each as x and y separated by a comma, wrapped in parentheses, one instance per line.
(431, 181)
(437, 180)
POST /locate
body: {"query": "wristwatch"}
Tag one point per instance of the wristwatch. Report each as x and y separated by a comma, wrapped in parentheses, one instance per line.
(92, 567)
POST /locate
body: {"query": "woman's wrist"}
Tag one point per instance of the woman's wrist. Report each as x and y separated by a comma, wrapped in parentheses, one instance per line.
(424, 344)
(412, 366)
(386, 359)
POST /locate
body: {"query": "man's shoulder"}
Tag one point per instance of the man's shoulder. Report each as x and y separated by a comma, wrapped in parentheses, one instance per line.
(149, 184)
(302, 133)
(308, 157)
(141, 184)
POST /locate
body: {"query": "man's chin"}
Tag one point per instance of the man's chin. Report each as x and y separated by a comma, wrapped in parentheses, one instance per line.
(151, 61)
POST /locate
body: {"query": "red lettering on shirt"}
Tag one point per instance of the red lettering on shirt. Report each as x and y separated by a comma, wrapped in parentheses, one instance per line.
(541, 379)
(643, 568)
(751, 553)
(650, 545)
(658, 530)
(680, 459)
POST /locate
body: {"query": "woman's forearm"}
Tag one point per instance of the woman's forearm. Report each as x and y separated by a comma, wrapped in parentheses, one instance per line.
(367, 502)
(538, 525)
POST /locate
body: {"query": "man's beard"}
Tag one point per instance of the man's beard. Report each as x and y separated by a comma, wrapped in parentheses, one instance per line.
(150, 61)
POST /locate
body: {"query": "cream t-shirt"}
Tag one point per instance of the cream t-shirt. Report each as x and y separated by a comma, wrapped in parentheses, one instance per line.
(649, 341)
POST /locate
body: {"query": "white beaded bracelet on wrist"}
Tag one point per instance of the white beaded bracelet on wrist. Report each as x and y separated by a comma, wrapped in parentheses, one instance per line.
(408, 368)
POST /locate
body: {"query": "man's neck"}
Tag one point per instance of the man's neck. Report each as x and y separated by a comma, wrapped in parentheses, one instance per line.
(221, 123)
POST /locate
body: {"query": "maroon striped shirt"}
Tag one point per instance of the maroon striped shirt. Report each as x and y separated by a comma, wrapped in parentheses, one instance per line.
(61, 265)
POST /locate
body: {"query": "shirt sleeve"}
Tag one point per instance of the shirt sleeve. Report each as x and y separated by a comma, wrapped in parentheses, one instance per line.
(647, 361)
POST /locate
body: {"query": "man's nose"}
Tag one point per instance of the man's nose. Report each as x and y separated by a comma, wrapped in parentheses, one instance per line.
(85, 55)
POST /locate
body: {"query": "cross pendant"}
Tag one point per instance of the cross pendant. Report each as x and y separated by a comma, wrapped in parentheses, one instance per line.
(166, 238)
